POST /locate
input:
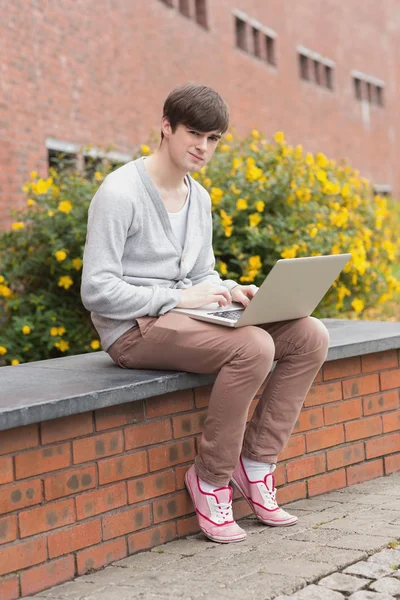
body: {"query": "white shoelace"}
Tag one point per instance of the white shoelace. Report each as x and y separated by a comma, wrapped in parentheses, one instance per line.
(225, 509)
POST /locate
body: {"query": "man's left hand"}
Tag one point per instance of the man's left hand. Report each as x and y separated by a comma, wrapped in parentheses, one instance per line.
(243, 293)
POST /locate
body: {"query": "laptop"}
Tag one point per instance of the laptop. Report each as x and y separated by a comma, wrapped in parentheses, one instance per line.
(292, 289)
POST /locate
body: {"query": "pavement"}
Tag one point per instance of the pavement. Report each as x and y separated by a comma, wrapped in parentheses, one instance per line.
(345, 545)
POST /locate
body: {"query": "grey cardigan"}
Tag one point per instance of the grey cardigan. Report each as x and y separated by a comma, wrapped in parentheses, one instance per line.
(133, 265)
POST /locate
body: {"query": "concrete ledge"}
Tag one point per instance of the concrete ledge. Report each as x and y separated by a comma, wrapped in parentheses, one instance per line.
(50, 389)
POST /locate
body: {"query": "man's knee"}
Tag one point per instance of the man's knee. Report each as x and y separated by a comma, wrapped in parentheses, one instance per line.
(257, 344)
(317, 334)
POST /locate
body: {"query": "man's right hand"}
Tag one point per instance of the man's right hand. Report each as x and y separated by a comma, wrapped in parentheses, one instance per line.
(204, 293)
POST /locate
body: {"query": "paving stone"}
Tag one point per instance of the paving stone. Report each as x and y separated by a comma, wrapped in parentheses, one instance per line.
(368, 569)
(368, 595)
(263, 586)
(338, 556)
(387, 557)
(358, 541)
(343, 583)
(73, 590)
(317, 592)
(387, 585)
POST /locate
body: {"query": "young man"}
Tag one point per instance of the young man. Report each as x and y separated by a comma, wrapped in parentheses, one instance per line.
(148, 250)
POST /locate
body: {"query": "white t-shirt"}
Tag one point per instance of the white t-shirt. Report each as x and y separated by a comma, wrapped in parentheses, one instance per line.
(178, 221)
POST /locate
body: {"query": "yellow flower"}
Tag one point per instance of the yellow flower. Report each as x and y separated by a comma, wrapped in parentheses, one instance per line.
(60, 255)
(3, 350)
(98, 176)
(313, 232)
(61, 330)
(216, 195)
(77, 263)
(207, 181)
(345, 190)
(254, 220)
(42, 186)
(252, 173)
(31, 202)
(223, 267)
(50, 213)
(241, 204)
(225, 148)
(17, 225)
(234, 189)
(279, 137)
(33, 175)
(255, 134)
(290, 252)
(145, 149)
(26, 330)
(14, 362)
(65, 206)
(228, 231)
(321, 160)
(260, 205)
(321, 176)
(54, 331)
(62, 345)
(229, 137)
(358, 305)
(5, 291)
(95, 344)
(309, 159)
(65, 282)
(1, 279)
(237, 162)
(255, 262)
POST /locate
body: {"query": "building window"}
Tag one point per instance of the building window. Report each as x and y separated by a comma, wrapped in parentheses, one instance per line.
(256, 42)
(315, 68)
(328, 71)
(317, 77)
(357, 88)
(304, 70)
(379, 95)
(62, 162)
(270, 48)
(367, 88)
(240, 28)
(201, 13)
(184, 8)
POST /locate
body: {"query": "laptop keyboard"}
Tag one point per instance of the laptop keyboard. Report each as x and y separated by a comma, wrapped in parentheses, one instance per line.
(232, 315)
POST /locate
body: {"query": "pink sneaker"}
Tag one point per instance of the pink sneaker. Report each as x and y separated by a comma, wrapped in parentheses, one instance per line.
(261, 497)
(214, 511)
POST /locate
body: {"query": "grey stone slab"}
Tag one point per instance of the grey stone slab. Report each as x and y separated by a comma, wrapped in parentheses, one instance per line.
(337, 556)
(263, 586)
(344, 583)
(317, 592)
(73, 590)
(386, 557)
(387, 585)
(369, 595)
(358, 541)
(368, 569)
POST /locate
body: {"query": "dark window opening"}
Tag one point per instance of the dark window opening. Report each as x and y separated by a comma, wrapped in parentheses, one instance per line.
(240, 28)
(201, 13)
(379, 95)
(369, 92)
(357, 88)
(91, 165)
(256, 42)
(270, 46)
(304, 73)
(328, 77)
(184, 7)
(317, 76)
(62, 162)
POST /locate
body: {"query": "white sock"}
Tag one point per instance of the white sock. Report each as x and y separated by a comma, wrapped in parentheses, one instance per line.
(256, 471)
(208, 487)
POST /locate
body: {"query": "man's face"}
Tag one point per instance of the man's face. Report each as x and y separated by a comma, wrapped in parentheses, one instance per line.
(190, 149)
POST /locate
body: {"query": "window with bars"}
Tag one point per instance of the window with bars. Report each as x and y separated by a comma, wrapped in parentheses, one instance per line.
(315, 69)
(241, 34)
(270, 50)
(368, 91)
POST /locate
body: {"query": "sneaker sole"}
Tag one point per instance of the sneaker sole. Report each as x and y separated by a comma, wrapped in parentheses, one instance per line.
(265, 521)
(210, 536)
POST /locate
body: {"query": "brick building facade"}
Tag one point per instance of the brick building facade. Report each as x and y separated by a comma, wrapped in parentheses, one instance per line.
(86, 71)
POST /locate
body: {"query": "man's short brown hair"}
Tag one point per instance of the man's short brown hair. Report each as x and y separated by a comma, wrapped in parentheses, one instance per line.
(196, 106)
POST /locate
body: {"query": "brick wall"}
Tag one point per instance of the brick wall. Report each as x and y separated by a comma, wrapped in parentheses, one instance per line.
(91, 71)
(80, 492)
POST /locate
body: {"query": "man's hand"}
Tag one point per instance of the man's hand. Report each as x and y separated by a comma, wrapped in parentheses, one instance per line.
(243, 293)
(204, 293)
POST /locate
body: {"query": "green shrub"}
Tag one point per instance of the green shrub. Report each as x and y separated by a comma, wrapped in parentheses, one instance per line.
(269, 201)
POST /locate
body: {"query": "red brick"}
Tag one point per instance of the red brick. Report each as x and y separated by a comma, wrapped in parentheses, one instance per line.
(143, 540)
(363, 428)
(306, 467)
(324, 438)
(292, 492)
(296, 446)
(25, 554)
(381, 402)
(379, 361)
(143, 488)
(280, 475)
(8, 529)
(386, 444)
(171, 454)
(101, 500)
(117, 416)
(344, 367)
(390, 379)
(309, 419)
(19, 438)
(70, 482)
(97, 446)
(327, 483)
(74, 538)
(365, 472)
(392, 463)
(48, 575)
(202, 396)
(343, 411)
(175, 402)
(324, 393)
(360, 386)
(146, 434)
(49, 516)
(9, 588)
(180, 476)
(126, 521)
(6, 469)
(318, 377)
(345, 456)
(187, 526)
(44, 460)
(19, 495)
(122, 467)
(241, 509)
(391, 421)
(175, 505)
(99, 556)
(66, 428)
(189, 424)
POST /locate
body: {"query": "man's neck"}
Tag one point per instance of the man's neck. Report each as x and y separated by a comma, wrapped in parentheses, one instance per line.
(163, 171)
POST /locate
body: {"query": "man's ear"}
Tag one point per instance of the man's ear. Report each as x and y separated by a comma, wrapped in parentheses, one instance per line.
(166, 127)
